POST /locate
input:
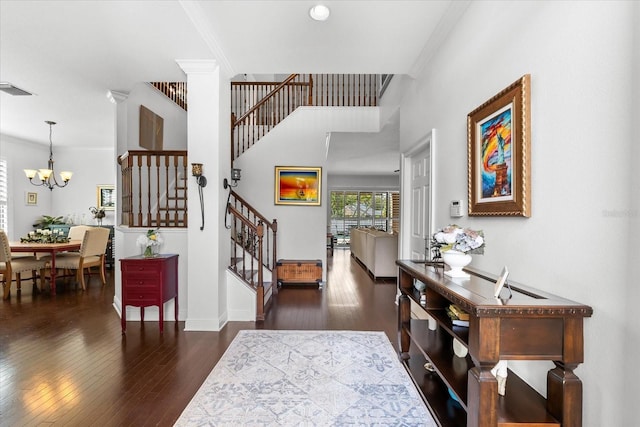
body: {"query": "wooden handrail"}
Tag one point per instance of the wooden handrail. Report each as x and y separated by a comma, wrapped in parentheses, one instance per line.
(330, 90)
(269, 224)
(253, 249)
(263, 111)
(267, 98)
(154, 188)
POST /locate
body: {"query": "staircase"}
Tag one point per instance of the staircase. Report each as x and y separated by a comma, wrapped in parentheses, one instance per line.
(253, 250)
(257, 107)
(175, 91)
(154, 187)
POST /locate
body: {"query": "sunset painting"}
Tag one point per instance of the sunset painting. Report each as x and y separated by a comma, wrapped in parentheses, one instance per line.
(298, 185)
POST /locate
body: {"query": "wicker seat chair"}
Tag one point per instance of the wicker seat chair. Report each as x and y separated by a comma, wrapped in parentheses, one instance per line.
(16, 265)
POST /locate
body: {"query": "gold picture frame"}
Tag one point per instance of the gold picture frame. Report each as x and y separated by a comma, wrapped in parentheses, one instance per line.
(499, 153)
(106, 197)
(31, 198)
(298, 185)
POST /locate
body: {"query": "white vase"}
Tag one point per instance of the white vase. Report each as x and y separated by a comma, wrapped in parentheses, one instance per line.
(456, 261)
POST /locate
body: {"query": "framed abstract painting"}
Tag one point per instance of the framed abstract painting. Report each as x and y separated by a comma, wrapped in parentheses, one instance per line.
(499, 153)
(106, 197)
(298, 185)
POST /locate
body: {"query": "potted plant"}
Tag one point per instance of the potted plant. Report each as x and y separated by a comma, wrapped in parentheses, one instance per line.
(45, 222)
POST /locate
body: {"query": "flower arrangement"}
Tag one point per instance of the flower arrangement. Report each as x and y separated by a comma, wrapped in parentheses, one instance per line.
(148, 241)
(45, 236)
(454, 237)
(98, 214)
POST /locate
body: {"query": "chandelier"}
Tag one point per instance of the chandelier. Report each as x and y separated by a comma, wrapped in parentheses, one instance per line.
(47, 176)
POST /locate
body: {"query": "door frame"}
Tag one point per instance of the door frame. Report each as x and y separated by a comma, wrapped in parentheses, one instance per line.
(426, 141)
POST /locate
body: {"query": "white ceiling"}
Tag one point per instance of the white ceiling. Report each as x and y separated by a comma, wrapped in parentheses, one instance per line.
(71, 53)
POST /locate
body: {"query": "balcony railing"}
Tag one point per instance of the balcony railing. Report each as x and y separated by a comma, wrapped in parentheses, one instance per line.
(257, 107)
(154, 188)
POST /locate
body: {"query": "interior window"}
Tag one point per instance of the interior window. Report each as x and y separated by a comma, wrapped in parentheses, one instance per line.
(351, 209)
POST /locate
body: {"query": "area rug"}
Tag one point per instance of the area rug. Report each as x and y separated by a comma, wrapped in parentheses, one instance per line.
(307, 378)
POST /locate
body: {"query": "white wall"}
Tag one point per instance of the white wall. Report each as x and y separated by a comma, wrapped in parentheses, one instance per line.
(174, 118)
(580, 58)
(364, 182)
(90, 167)
(300, 140)
(632, 290)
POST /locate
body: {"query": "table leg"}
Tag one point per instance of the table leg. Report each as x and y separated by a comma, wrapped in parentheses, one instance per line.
(564, 394)
(53, 273)
(482, 397)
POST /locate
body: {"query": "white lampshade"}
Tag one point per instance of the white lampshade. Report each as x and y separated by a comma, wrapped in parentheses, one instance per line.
(44, 174)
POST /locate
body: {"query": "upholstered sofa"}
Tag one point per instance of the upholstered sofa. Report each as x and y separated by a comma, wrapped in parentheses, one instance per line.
(376, 250)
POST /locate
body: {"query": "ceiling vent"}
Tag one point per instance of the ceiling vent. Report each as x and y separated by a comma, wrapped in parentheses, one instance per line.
(13, 90)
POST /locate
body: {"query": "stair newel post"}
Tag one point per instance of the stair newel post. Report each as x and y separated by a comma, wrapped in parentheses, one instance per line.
(157, 172)
(310, 89)
(233, 131)
(274, 274)
(184, 171)
(260, 287)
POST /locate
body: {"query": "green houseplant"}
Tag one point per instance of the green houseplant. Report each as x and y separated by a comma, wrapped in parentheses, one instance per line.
(45, 222)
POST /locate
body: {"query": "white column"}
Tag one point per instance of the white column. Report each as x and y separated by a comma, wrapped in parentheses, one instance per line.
(207, 143)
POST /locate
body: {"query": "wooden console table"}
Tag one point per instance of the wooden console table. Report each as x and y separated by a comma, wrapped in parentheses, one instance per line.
(532, 325)
(149, 281)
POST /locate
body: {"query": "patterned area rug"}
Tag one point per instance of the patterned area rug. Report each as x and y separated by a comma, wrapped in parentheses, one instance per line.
(307, 378)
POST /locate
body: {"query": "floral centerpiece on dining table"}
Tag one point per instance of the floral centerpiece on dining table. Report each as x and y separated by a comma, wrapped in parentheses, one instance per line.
(150, 242)
(45, 236)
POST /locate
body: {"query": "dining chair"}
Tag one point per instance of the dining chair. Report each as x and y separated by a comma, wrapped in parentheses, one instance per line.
(16, 265)
(91, 254)
(76, 232)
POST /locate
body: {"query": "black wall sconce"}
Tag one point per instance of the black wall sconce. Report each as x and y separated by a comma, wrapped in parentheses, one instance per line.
(196, 170)
(235, 177)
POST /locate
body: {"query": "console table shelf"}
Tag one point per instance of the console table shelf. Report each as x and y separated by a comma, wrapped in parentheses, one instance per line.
(532, 325)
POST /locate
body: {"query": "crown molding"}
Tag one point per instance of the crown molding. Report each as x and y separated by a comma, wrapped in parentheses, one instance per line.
(446, 24)
(196, 14)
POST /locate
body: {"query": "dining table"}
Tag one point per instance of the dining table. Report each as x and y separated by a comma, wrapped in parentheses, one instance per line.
(47, 248)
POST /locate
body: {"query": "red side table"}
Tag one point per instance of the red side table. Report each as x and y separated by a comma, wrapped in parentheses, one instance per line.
(147, 282)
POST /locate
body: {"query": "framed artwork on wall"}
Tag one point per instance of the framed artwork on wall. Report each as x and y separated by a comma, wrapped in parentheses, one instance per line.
(106, 197)
(151, 129)
(298, 185)
(31, 198)
(499, 153)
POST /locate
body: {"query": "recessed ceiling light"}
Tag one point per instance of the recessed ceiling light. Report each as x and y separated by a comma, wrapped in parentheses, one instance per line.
(319, 12)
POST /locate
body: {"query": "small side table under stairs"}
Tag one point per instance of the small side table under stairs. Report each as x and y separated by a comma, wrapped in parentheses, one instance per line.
(148, 282)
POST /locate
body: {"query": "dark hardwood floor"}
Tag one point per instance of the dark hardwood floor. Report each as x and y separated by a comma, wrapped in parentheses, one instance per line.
(64, 361)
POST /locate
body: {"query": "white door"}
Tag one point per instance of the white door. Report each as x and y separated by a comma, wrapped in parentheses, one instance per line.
(418, 216)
